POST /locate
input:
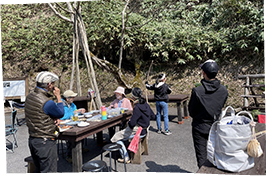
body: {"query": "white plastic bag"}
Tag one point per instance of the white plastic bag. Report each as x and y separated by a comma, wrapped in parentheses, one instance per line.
(228, 140)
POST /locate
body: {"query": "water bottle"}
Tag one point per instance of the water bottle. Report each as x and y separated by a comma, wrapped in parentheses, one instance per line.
(104, 113)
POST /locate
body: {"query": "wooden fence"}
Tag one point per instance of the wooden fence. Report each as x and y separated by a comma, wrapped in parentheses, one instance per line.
(250, 93)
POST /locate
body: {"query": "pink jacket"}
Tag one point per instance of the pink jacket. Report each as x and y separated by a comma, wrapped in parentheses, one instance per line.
(125, 104)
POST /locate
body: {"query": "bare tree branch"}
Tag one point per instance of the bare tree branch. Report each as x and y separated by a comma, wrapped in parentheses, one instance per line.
(68, 11)
(58, 14)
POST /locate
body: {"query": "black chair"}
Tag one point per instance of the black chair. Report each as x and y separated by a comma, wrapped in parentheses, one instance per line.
(94, 166)
(11, 130)
(112, 148)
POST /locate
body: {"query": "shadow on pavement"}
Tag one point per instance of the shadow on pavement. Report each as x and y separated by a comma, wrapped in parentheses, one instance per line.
(154, 167)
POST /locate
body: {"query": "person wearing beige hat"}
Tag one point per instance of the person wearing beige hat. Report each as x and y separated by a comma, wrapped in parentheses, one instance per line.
(119, 102)
(69, 106)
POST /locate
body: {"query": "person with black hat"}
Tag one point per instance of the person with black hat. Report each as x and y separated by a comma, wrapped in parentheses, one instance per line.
(161, 91)
(142, 114)
(205, 106)
(42, 115)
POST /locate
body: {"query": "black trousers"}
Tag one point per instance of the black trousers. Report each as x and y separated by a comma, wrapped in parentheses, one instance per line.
(200, 144)
(44, 154)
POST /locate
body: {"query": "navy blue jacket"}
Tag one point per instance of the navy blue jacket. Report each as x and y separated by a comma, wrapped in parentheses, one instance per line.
(142, 114)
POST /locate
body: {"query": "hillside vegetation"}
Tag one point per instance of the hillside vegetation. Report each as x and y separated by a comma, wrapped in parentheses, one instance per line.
(177, 35)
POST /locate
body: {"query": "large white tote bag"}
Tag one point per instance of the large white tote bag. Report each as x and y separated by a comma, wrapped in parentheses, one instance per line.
(228, 140)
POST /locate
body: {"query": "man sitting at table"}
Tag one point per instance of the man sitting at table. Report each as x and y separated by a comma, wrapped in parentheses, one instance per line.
(142, 113)
(69, 108)
(119, 102)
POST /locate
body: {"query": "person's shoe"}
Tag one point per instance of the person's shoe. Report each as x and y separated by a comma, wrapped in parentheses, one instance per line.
(127, 160)
(69, 159)
(159, 131)
(168, 132)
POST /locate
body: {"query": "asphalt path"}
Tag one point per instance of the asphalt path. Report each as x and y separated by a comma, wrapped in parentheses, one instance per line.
(174, 153)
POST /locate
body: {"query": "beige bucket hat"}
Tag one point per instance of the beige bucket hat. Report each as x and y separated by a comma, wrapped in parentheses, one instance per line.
(120, 90)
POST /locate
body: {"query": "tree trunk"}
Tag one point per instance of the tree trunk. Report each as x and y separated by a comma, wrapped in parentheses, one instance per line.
(77, 48)
(85, 47)
(80, 39)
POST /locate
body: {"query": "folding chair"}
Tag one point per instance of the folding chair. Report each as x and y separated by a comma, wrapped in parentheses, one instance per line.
(11, 130)
(14, 105)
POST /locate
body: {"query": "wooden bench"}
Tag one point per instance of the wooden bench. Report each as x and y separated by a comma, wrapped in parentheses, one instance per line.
(260, 163)
(31, 167)
(142, 149)
(181, 101)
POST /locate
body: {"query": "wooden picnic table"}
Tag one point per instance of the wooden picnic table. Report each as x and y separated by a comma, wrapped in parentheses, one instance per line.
(260, 163)
(76, 134)
(181, 101)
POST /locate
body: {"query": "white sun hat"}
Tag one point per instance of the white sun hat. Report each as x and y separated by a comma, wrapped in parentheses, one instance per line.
(120, 90)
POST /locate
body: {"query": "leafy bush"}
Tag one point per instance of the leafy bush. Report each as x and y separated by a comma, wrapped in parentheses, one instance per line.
(179, 31)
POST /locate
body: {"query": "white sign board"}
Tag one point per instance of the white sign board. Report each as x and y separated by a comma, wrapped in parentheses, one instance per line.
(14, 88)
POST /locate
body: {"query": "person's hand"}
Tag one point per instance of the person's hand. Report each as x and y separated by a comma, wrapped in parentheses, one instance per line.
(57, 121)
(56, 91)
(82, 110)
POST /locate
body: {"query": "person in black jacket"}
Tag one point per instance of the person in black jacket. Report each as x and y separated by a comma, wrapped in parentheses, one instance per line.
(205, 106)
(142, 114)
(161, 91)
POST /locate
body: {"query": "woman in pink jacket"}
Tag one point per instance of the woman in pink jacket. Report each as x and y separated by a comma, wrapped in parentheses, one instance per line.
(120, 102)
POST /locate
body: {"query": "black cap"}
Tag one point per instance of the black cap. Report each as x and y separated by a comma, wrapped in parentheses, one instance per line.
(137, 92)
(161, 76)
(210, 67)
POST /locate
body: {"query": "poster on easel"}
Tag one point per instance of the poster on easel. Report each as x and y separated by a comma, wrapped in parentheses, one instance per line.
(15, 89)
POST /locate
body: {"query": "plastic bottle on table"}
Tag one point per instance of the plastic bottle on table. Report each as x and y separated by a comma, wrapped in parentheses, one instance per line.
(104, 113)
(75, 115)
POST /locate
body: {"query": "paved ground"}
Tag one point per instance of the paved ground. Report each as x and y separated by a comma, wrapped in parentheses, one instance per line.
(174, 153)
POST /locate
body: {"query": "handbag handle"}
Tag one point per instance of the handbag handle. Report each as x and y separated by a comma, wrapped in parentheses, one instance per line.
(224, 111)
(245, 112)
(211, 143)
